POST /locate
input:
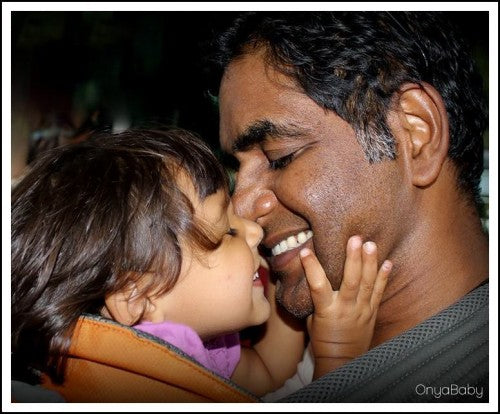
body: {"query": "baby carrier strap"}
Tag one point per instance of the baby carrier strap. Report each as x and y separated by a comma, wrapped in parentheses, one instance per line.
(443, 359)
(110, 362)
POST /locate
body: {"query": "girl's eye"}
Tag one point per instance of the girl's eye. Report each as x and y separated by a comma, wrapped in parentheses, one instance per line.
(232, 232)
(282, 162)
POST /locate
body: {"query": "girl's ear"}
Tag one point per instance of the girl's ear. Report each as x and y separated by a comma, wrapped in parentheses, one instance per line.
(126, 306)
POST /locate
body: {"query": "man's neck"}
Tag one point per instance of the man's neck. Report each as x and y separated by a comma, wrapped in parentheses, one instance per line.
(436, 266)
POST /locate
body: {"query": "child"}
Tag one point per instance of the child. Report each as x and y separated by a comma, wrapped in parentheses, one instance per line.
(138, 227)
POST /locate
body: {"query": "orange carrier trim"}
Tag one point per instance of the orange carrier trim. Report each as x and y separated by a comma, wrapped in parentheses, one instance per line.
(110, 362)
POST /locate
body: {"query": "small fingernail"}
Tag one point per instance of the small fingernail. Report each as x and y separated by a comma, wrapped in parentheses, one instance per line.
(305, 252)
(387, 265)
(266, 204)
(369, 247)
(355, 242)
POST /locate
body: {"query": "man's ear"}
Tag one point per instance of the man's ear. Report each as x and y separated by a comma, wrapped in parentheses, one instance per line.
(126, 306)
(424, 121)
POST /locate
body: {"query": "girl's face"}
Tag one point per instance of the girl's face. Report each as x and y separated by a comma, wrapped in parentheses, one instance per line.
(218, 291)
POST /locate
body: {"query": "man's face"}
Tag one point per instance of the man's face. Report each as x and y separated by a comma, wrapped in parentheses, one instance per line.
(301, 170)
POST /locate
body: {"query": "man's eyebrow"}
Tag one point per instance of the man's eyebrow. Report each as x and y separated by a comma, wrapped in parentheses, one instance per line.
(260, 130)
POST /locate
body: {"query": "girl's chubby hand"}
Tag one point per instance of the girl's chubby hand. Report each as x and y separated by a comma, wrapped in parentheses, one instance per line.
(341, 327)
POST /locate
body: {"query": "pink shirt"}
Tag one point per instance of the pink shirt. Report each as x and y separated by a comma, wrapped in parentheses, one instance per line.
(220, 354)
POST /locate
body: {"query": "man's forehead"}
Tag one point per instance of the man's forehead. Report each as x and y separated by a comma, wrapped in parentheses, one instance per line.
(257, 101)
(252, 61)
(250, 75)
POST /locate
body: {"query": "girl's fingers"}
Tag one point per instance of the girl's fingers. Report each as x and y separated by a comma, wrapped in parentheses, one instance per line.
(319, 285)
(352, 270)
(368, 273)
(380, 283)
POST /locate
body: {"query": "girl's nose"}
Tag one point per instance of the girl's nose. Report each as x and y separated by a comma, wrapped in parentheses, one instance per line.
(253, 232)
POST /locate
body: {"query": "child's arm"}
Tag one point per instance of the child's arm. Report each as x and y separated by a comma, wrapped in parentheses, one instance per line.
(343, 322)
(274, 358)
(341, 327)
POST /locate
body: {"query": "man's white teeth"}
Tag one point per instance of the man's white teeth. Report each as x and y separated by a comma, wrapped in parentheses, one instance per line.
(302, 237)
(292, 242)
(256, 276)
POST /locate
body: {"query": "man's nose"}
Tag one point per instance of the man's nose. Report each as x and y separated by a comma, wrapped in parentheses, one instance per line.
(253, 203)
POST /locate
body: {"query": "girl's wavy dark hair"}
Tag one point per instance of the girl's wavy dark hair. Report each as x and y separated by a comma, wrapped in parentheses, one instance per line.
(353, 62)
(88, 218)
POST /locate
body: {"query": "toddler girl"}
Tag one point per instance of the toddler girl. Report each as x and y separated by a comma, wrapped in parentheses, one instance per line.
(139, 227)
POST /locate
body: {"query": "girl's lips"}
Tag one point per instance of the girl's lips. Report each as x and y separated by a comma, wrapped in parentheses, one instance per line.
(258, 282)
(256, 278)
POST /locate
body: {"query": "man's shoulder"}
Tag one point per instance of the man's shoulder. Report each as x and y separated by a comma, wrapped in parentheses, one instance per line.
(446, 356)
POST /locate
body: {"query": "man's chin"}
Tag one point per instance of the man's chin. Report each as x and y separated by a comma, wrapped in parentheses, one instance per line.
(295, 299)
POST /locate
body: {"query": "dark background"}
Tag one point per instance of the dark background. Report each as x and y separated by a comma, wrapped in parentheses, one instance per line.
(144, 66)
(138, 67)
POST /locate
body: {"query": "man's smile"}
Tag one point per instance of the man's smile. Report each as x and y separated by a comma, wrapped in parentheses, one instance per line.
(282, 248)
(291, 242)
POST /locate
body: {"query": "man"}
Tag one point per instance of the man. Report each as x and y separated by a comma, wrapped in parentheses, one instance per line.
(370, 124)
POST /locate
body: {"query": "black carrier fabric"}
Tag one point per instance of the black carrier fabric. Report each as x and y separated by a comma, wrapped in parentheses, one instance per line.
(443, 359)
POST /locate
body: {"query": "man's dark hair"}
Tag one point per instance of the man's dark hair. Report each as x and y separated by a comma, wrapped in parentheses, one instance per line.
(88, 220)
(353, 62)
